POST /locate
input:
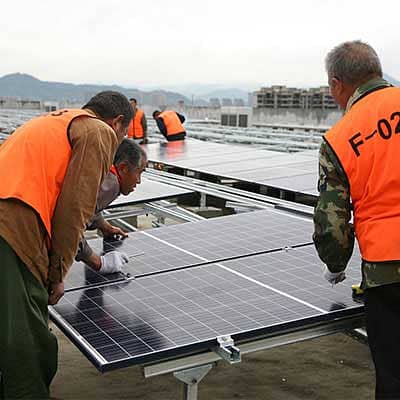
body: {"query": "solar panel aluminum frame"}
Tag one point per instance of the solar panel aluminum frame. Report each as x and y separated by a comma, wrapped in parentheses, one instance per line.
(247, 347)
(302, 329)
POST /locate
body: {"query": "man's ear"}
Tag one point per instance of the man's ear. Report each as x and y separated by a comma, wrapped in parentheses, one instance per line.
(337, 85)
(117, 120)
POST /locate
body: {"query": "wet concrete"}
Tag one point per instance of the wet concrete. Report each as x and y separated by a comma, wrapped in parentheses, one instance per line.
(332, 367)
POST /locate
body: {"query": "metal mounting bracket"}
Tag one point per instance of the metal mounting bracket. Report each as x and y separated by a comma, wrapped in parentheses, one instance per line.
(191, 378)
(227, 350)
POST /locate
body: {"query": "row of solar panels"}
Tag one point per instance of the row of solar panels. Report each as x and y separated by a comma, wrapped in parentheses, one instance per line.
(248, 276)
(296, 172)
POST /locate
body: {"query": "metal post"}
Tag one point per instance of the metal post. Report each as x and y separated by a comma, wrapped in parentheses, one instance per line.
(203, 201)
(191, 378)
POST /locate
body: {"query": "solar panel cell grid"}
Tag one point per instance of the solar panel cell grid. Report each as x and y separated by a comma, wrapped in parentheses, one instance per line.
(299, 272)
(193, 243)
(141, 320)
(237, 162)
(239, 234)
(149, 190)
(147, 315)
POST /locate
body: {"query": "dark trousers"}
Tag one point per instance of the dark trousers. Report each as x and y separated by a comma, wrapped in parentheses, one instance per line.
(382, 307)
(28, 350)
(178, 136)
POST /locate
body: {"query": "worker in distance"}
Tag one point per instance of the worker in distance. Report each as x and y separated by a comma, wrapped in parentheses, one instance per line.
(170, 125)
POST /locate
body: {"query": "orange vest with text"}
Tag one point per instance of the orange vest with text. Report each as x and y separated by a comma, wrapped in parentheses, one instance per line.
(172, 123)
(34, 160)
(135, 130)
(367, 143)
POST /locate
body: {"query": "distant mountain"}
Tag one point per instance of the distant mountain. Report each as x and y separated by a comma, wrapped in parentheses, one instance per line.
(29, 87)
(202, 90)
(392, 80)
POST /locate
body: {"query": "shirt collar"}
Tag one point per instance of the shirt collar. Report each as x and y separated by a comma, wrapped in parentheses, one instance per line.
(114, 171)
(366, 88)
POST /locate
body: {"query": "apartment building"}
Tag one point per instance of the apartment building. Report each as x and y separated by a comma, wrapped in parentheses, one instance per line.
(280, 96)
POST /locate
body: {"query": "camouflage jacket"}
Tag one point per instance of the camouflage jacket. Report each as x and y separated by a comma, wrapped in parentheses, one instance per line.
(333, 232)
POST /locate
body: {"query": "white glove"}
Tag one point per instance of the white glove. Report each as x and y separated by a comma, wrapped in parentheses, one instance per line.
(112, 262)
(334, 277)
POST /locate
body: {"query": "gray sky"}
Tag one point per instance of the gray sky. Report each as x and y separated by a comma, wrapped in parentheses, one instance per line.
(174, 42)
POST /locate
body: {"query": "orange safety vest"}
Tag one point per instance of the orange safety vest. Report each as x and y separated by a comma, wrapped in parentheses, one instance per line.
(367, 143)
(34, 160)
(172, 123)
(135, 130)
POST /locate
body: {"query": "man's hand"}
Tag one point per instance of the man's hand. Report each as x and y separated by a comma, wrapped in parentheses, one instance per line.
(56, 291)
(112, 262)
(334, 277)
(113, 232)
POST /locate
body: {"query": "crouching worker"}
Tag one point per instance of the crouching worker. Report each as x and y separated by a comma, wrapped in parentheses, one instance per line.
(129, 163)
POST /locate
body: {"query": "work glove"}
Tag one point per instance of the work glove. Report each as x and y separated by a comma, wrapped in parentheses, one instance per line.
(334, 277)
(112, 262)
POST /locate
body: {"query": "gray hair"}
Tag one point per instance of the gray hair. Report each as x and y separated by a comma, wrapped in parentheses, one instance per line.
(353, 63)
(130, 152)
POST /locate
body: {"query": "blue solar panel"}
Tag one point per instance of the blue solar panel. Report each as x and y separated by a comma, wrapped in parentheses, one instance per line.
(179, 312)
(183, 245)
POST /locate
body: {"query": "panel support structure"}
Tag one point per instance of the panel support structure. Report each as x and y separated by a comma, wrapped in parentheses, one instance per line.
(203, 201)
(191, 379)
(284, 338)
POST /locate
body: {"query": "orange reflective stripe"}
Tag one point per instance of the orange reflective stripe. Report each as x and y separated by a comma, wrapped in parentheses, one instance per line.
(34, 160)
(172, 123)
(367, 143)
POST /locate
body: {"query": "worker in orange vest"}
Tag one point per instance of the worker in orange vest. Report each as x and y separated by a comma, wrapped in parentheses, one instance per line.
(359, 170)
(129, 163)
(50, 172)
(138, 127)
(170, 124)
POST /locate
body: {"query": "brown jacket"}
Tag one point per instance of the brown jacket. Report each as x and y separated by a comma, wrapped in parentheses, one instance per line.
(93, 145)
(109, 191)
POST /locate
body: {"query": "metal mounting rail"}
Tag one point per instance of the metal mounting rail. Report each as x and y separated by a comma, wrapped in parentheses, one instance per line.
(121, 223)
(284, 338)
(201, 188)
(171, 210)
(123, 214)
(228, 193)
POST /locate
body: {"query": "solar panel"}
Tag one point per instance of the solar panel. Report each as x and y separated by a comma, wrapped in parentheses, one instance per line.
(218, 158)
(147, 255)
(149, 190)
(259, 175)
(188, 149)
(306, 183)
(182, 245)
(240, 234)
(298, 271)
(179, 312)
(80, 275)
(287, 172)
